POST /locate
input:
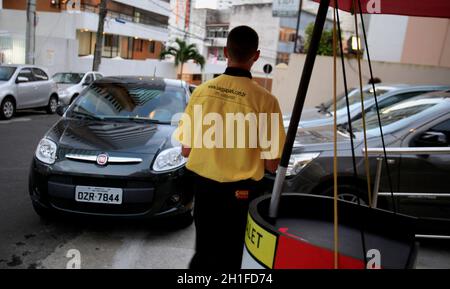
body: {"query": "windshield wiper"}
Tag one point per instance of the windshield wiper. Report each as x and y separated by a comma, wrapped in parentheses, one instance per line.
(85, 115)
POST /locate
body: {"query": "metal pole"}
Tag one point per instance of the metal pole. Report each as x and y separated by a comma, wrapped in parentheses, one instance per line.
(300, 4)
(376, 188)
(298, 106)
(30, 32)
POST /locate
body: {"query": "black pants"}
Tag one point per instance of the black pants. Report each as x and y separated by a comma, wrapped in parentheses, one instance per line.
(220, 214)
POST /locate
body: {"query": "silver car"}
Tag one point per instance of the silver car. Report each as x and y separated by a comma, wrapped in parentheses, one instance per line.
(26, 86)
(387, 94)
(70, 84)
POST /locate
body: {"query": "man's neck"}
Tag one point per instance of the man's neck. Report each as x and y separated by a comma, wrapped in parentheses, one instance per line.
(239, 65)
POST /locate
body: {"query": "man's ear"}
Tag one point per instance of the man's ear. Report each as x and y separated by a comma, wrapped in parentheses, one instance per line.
(225, 52)
(257, 54)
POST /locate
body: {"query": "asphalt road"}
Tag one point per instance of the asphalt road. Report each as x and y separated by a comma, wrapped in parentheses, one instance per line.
(26, 241)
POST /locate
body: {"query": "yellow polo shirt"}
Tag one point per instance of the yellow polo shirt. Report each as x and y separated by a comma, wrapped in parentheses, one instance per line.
(231, 124)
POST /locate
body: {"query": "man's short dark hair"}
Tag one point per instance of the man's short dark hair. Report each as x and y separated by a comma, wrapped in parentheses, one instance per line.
(242, 43)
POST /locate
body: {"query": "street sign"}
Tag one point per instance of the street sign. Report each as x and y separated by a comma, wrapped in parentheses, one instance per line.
(285, 8)
(267, 68)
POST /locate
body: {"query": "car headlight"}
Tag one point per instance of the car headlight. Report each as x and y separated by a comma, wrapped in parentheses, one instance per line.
(46, 151)
(169, 159)
(298, 161)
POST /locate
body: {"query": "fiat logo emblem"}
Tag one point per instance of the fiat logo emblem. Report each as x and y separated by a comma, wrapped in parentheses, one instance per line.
(102, 159)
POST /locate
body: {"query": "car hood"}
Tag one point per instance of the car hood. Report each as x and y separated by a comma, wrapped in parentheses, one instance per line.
(320, 139)
(62, 86)
(102, 136)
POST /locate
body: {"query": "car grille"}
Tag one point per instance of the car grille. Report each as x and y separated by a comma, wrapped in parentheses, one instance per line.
(100, 182)
(103, 209)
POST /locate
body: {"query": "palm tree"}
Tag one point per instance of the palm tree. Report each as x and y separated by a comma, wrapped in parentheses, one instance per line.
(183, 53)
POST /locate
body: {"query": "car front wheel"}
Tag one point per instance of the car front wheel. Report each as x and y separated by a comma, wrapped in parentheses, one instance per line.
(349, 193)
(7, 109)
(42, 211)
(52, 105)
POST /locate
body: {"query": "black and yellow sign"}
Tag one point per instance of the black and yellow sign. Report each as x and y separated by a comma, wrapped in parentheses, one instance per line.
(260, 243)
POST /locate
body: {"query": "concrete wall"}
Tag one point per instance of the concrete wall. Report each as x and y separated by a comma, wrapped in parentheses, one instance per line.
(386, 37)
(287, 78)
(260, 18)
(427, 41)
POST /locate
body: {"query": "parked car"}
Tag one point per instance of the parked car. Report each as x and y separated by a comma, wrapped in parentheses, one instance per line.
(387, 94)
(422, 180)
(111, 153)
(70, 84)
(26, 86)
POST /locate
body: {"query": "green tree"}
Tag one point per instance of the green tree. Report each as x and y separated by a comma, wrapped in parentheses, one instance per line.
(182, 52)
(326, 42)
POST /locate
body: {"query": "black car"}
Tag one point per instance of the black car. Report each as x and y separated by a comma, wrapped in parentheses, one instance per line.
(111, 154)
(420, 183)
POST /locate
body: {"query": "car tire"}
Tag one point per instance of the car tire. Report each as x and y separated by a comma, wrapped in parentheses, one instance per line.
(42, 212)
(182, 221)
(7, 108)
(349, 193)
(52, 104)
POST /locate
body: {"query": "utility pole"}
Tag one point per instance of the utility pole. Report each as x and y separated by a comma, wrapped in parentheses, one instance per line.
(30, 36)
(300, 5)
(99, 37)
(187, 18)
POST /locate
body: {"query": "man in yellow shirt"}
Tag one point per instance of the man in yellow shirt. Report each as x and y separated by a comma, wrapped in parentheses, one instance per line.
(231, 132)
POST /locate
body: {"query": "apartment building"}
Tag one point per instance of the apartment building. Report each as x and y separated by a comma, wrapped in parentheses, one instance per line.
(134, 35)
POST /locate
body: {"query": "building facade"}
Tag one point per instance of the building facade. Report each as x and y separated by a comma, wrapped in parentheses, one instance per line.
(134, 35)
(409, 40)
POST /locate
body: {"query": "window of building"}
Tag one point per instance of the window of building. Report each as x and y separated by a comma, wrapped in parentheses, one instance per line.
(110, 45)
(84, 43)
(287, 35)
(217, 31)
(138, 44)
(282, 58)
(151, 47)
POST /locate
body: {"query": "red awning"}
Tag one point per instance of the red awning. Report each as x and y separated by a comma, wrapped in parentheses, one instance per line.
(425, 8)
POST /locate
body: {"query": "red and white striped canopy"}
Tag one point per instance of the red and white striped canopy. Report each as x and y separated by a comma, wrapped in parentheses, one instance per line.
(425, 8)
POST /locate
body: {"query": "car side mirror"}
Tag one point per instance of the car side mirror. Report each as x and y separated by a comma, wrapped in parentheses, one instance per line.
(85, 83)
(432, 139)
(61, 110)
(21, 79)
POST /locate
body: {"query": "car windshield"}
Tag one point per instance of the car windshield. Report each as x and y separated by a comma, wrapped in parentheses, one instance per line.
(6, 72)
(154, 102)
(395, 113)
(68, 78)
(354, 96)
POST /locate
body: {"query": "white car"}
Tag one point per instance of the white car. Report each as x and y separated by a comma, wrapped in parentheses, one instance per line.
(26, 86)
(70, 84)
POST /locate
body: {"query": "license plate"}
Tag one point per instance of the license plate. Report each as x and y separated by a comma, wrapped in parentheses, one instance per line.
(99, 195)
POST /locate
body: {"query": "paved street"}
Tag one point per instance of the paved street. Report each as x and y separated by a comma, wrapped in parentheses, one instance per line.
(26, 241)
